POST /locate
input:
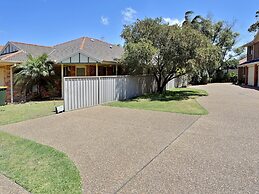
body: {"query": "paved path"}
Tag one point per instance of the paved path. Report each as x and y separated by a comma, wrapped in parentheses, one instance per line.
(9, 187)
(133, 151)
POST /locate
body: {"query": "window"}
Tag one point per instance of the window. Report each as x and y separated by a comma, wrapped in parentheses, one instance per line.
(80, 71)
(252, 50)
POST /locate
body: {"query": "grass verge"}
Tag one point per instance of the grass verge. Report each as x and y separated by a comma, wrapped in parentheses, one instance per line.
(37, 168)
(13, 113)
(179, 100)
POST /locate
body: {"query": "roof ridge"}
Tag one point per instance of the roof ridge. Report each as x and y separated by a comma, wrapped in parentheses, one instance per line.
(14, 42)
(84, 39)
(103, 41)
(67, 42)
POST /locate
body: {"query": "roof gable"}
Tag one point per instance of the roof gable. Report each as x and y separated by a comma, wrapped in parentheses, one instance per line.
(255, 40)
(9, 48)
(79, 57)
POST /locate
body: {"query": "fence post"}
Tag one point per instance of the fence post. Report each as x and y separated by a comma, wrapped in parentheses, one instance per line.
(98, 85)
(64, 94)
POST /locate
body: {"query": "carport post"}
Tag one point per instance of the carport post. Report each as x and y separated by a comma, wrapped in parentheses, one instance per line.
(96, 69)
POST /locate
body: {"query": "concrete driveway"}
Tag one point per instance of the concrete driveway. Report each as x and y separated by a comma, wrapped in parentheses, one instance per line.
(120, 150)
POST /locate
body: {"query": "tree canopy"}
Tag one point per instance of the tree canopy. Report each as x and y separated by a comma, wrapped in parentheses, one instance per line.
(255, 26)
(165, 51)
(220, 33)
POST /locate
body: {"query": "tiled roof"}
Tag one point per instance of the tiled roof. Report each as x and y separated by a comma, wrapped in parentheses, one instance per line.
(18, 56)
(1, 47)
(96, 49)
(34, 50)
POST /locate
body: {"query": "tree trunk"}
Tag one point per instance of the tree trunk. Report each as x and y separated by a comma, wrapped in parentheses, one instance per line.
(161, 87)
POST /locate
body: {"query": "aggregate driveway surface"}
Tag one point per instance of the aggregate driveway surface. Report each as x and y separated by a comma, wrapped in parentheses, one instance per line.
(9, 187)
(108, 145)
(133, 151)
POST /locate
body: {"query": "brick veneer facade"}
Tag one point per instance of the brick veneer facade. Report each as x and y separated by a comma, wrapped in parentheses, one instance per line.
(7, 82)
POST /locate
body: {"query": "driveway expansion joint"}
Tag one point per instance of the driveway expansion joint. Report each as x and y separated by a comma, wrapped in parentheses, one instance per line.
(157, 155)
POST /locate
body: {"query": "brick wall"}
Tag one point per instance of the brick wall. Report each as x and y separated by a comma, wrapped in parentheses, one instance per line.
(7, 82)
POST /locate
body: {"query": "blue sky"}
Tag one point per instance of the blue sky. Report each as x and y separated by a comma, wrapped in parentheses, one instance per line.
(49, 22)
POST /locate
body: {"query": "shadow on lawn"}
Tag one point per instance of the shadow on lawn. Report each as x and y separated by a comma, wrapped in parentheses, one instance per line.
(173, 95)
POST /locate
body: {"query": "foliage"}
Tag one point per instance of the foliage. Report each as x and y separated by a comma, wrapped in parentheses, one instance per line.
(37, 72)
(232, 77)
(255, 26)
(222, 36)
(180, 100)
(37, 168)
(13, 113)
(165, 51)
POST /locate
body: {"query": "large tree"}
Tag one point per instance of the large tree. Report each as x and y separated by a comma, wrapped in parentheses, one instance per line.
(221, 35)
(167, 52)
(35, 72)
(255, 26)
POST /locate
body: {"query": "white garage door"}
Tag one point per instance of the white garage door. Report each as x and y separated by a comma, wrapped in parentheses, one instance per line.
(1, 76)
(251, 76)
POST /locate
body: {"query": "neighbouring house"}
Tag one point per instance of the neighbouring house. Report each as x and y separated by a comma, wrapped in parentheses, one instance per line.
(248, 69)
(80, 57)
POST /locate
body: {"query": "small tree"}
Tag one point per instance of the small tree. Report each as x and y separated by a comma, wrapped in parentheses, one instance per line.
(35, 72)
(165, 51)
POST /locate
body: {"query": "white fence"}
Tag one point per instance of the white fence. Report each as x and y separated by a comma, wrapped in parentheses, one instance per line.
(81, 92)
(177, 82)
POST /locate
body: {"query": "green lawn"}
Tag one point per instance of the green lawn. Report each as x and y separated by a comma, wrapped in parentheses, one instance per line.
(19, 112)
(37, 168)
(180, 100)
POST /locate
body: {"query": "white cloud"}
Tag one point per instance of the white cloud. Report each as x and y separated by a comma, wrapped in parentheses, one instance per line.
(172, 21)
(129, 14)
(105, 21)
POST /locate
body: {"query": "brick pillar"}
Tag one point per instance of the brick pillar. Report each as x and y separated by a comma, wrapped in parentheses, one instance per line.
(256, 76)
(7, 82)
(246, 75)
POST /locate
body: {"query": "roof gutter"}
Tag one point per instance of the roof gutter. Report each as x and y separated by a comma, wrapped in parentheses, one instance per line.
(248, 64)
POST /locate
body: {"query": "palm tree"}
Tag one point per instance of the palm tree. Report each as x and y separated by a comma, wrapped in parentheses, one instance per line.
(194, 22)
(35, 72)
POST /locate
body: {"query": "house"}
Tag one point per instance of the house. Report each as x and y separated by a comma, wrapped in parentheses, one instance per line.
(80, 57)
(248, 70)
